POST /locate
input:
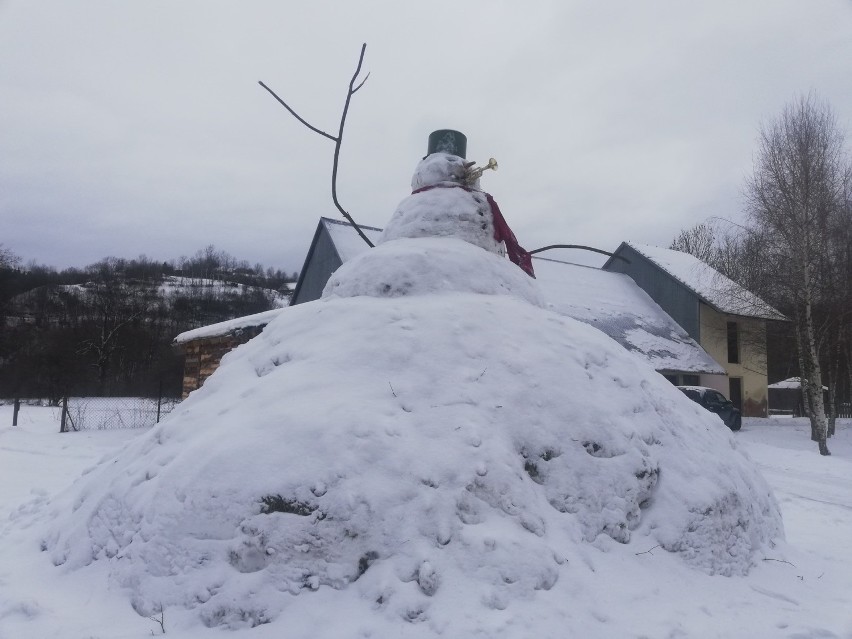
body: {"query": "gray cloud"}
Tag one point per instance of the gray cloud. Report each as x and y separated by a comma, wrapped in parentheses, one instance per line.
(139, 127)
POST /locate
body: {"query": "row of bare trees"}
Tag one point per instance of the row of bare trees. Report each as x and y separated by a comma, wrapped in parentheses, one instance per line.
(107, 329)
(794, 248)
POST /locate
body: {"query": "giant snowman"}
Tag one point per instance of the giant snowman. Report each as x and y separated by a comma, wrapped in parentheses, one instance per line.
(425, 451)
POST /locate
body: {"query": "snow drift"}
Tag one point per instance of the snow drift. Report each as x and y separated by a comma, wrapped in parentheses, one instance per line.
(426, 445)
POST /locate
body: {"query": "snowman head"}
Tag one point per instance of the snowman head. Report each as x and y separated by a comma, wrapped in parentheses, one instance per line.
(439, 168)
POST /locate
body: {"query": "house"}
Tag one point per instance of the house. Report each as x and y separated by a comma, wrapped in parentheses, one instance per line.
(728, 321)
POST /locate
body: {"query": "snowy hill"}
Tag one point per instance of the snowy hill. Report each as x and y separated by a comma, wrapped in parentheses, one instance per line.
(427, 448)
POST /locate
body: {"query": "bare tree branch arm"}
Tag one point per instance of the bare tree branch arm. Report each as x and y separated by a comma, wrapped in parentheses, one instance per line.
(339, 141)
(366, 77)
(578, 246)
(297, 116)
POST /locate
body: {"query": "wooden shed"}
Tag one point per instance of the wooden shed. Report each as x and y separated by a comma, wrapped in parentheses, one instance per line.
(203, 348)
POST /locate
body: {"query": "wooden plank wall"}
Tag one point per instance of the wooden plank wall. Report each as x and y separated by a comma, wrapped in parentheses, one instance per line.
(203, 356)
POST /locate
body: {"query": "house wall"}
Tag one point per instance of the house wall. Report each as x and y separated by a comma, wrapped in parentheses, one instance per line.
(752, 366)
(674, 298)
(203, 356)
(321, 263)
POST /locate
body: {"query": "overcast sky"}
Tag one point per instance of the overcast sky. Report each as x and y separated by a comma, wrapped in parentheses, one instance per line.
(139, 127)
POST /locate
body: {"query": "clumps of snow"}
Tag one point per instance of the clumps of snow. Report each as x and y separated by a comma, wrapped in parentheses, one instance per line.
(425, 447)
(447, 210)
(430, 266)
(408, 453)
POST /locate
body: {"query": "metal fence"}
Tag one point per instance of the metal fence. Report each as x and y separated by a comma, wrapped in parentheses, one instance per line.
(109, 413)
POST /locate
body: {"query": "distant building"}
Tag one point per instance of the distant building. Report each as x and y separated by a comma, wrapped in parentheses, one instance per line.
(728, 321)
(786, 398)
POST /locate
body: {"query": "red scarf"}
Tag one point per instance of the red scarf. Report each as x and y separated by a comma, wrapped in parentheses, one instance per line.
(502, 233)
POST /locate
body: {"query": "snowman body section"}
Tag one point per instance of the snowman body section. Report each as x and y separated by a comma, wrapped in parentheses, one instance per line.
(443, 205)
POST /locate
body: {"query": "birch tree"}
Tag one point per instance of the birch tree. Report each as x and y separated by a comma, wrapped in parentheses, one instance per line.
(794, 199)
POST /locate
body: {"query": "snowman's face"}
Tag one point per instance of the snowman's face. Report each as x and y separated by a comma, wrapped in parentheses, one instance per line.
(437, 168)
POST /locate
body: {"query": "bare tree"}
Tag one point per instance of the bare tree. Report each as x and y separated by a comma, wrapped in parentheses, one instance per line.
(337, 139)
(7, 258)
(796, 193)
(700, 241)
(835, 316)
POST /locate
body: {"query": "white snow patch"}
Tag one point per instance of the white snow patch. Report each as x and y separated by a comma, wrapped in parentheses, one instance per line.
(424, 452)
(799, 588)
(404, 450)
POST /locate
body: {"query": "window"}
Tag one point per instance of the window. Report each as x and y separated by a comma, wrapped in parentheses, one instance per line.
(671, 378)
(733, 343)
(712, 397)
(691, 380)
(692, 394)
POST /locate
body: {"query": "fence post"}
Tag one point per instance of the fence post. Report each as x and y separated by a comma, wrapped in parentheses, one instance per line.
(15, 411)
(159, 399)
(63, 426)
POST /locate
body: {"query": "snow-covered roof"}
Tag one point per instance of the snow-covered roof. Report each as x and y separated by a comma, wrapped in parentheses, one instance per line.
(717, 290)
(346, 239)
(794, 383)
(229, 326)
(614, 303)
(791, 382)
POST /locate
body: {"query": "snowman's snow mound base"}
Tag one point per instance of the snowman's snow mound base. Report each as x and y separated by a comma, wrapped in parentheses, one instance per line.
(407, 450)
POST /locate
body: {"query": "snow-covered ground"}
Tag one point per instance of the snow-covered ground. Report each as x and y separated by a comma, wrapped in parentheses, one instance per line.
(606, 596)
(427, 451)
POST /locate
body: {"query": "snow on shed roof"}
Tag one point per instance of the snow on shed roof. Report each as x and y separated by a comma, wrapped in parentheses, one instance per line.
(790, 383)
(710, 285)
(229, 326)
(614, 303)
(346, 239)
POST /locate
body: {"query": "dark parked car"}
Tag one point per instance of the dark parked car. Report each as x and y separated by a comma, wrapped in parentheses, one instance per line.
(715, 402)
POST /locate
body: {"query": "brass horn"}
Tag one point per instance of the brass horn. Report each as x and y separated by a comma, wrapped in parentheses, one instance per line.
(474, 173)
